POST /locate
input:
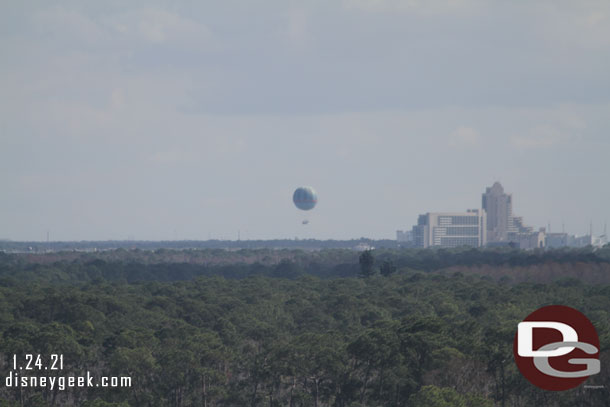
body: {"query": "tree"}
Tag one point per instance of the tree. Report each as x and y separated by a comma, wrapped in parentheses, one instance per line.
(387, 268)
(432, 396)
(367, 263)
(376, 355)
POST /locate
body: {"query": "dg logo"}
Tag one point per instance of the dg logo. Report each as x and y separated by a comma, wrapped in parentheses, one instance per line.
(556, 348)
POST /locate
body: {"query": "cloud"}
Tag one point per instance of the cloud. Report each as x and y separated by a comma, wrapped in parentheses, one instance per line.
(216, 149)
(159, 26)
(412, 6)
(544, 136)
(170, 157)
(464, 136)
(118, 30)
(66, 26)
(258, 97)
(297, 28)
(596, 18)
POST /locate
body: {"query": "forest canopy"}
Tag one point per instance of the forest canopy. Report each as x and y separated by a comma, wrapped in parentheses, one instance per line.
(295, 328)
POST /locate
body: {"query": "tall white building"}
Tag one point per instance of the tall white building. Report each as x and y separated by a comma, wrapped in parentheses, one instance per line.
(451, 229)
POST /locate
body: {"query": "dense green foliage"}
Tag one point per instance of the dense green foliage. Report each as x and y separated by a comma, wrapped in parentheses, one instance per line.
(277, 336)
(170, 265)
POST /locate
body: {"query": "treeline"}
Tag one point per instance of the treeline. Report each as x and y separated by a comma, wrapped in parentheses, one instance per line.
(436, 259)
(130, 266)
(267, 328)
(313, 244)
(411, 339)
(136, 265)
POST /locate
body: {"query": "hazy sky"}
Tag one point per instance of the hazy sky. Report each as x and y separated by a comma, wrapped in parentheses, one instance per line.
(190, 120)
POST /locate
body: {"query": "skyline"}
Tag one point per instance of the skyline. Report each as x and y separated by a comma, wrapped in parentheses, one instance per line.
(591, 232)
(190, 121)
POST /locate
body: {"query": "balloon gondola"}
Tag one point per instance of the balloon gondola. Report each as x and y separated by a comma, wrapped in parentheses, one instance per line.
(305, 198)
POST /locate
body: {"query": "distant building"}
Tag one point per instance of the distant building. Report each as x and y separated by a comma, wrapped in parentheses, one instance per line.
(499, 209)
(528, 239)
(450, 229)
(503, 226)
(404, 236)
(525, 236)
(587, 240)
(599, 241)
(493, 225)
(361, 247)
(581, 241)
(516, 225)
(556, 240)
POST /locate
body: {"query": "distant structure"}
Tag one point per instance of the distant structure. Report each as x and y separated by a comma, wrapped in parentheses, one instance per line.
(527, 238)
(558, 240)
(404, 236)
(599, 241)
(361, 247)
(499, 208)
(450, 229)
(492, 225)
(504, 228)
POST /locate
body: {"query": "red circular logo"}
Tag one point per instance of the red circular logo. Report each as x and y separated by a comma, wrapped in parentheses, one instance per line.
(556, 348)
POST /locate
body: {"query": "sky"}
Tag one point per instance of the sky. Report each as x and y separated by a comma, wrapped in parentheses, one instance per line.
(156, 120)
